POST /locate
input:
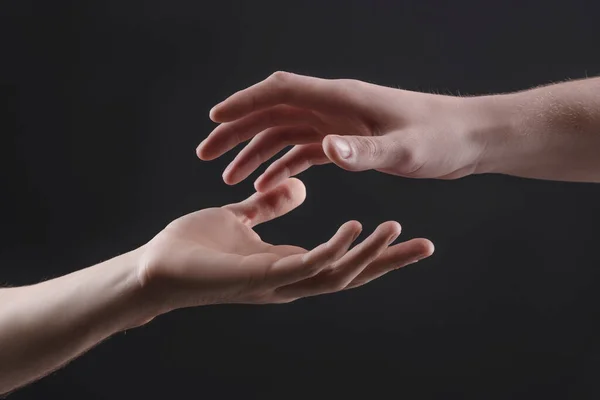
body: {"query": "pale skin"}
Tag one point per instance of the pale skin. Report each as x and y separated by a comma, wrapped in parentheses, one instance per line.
(212, 256)
(550, 132)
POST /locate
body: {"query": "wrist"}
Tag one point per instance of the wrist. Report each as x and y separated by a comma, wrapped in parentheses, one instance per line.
(138, 303)
(152, 292)
(493, 128)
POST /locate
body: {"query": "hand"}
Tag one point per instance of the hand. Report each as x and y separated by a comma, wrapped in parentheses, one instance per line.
(213, 256)
(356, 125)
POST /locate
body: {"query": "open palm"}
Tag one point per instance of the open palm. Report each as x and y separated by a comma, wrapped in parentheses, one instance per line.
(214, 256)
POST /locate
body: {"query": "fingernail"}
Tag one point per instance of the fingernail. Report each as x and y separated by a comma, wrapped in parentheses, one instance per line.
(356, 234)
(342, 147)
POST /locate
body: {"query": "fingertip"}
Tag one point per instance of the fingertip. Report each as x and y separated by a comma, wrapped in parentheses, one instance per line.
(229, 176)
(297, 189)
(228, 181)
(350, 230)
(213, 114)
(268, 180)
(426, 247)
(393, 230)
(393, 227)
(263, 185)
(226, 111)
(259, 186)
(357, 226)
(202, 153)
(354, 224)
(199, 151)
(420, 249)
(291, 191)
(277, 202)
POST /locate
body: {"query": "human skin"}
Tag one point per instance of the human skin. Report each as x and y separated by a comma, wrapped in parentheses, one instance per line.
(550, 132)
(211, 256)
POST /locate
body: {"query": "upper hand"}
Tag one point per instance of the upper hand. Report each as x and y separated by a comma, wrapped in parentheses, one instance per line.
(214, 256)
(356, 125)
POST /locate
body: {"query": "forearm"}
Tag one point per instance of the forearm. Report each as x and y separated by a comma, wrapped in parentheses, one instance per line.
(44, 326)
(550, 132)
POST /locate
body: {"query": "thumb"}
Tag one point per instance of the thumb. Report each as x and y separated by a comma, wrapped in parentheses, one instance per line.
(263, 207)
(357, 153)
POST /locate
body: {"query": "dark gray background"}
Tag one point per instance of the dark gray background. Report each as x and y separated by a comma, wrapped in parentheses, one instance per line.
(104, 102)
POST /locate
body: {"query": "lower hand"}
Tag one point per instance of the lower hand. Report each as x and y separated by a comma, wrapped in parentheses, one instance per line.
(214, 256)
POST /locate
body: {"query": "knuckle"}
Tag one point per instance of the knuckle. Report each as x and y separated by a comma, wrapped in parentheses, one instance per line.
(280, 84)
(280, 75)
(350, 83)
(408, 160)
(370, 147)
(280, 79)
(356, 85)
(352, 90)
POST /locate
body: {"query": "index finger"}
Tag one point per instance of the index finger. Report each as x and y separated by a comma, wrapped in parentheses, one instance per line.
(282, 88)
